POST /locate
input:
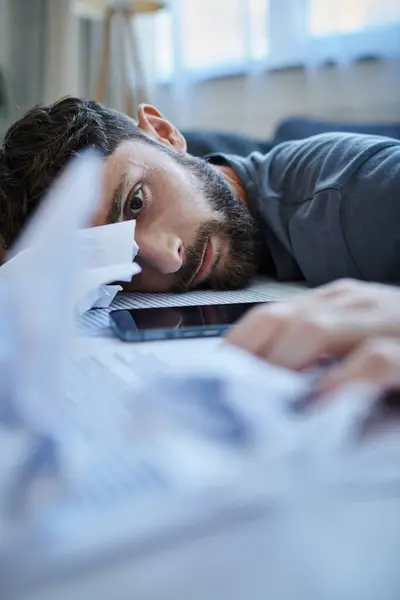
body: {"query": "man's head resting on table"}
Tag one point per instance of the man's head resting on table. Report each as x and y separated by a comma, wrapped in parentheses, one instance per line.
(192, 228)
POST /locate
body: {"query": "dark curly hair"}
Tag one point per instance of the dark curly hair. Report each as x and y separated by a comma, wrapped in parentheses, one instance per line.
(39, 145)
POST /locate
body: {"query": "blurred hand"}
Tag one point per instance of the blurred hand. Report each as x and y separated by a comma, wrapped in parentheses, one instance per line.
(376, 362)
(334, 320)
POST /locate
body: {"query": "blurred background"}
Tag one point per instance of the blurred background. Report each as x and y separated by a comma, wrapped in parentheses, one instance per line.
(228, 65)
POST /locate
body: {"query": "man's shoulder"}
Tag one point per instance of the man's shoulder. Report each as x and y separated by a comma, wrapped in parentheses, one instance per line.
(336, 141)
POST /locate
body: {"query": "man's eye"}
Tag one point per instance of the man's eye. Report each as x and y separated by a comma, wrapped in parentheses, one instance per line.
(135, 203)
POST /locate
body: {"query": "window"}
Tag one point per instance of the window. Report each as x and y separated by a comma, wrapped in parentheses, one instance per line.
(329, 17)
(211, 37)
(206, 38)
(212, 34)
(344, 30)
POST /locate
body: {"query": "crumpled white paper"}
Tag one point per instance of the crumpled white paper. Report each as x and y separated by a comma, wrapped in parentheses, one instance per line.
(107, 252)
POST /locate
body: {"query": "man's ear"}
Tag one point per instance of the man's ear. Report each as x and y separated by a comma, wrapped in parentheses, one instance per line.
(151, 121)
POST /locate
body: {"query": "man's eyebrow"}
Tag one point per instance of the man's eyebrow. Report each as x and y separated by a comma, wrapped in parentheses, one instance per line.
(114, 213)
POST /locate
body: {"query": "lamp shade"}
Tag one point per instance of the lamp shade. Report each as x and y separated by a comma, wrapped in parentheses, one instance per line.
(96, 9)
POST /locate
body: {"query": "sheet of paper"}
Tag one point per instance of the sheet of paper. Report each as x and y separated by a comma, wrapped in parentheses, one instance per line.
(106, 296)
(92, 291)
(109, 245)
(194, 298)
(96, 322)
(40, 288)
(119, 430)
(154, 465)
(108, 253)
(100, 297)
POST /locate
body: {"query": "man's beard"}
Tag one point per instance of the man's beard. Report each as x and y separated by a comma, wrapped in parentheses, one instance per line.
(234, 224)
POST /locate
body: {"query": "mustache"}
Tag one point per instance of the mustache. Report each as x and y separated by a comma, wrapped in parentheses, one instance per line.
(242, 261)
(194, 256)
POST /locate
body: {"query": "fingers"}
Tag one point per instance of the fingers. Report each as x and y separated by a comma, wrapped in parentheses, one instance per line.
(282, 335)
(376, 362)
(257, 329)
(298, 344)
(342, 288)
(332, 320)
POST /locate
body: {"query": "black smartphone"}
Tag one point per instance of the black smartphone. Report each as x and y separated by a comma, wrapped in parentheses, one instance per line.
(165, 323)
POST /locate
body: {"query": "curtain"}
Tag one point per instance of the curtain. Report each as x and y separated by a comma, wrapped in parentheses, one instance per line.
(23, 26)
(40, 58)
(63, 61)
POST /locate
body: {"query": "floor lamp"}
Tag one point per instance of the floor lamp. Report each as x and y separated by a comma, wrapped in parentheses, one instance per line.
(123, 12)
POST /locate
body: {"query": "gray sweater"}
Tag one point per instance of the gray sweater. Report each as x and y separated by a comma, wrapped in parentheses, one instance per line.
(328, 206)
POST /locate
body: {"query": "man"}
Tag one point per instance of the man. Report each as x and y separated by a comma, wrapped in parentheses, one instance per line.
(325, 207)
(315, 209)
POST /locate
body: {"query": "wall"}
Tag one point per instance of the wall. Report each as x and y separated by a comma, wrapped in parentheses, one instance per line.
(364, 91)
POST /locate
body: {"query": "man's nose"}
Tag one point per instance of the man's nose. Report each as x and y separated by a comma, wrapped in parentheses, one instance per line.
(165, 253)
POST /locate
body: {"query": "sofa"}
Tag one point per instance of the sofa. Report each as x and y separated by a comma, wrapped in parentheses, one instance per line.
(201, 143)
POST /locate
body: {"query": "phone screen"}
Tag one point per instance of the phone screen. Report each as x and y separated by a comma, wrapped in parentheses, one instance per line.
(176, 322)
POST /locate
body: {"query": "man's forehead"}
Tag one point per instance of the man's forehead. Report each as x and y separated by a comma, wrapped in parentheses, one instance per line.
(131, 153)
(128, 152)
